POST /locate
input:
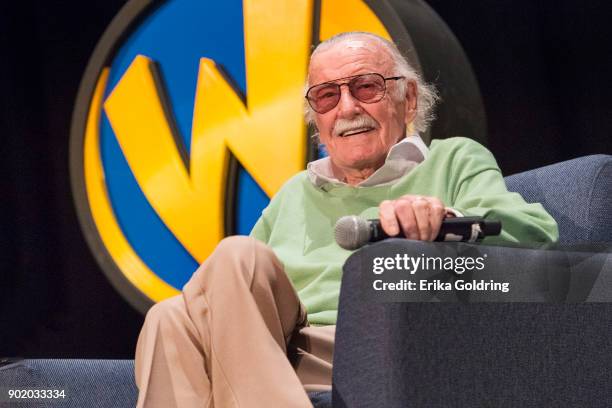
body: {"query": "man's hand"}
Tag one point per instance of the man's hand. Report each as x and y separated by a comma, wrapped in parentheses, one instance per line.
(419, 217)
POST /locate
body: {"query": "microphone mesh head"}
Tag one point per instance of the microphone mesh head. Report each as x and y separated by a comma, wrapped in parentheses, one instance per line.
(352, 232)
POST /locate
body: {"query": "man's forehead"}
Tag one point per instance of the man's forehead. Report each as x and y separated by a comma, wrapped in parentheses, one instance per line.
(351, 46)
(349, 57)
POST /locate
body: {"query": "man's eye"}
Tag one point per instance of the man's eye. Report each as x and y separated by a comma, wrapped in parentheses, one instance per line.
(328, 94)
(366, 85)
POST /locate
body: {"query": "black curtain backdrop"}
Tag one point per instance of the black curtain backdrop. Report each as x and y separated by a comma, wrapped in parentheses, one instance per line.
(543, 68)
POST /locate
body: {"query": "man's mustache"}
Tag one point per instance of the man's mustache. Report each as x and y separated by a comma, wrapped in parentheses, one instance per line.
(361, 122)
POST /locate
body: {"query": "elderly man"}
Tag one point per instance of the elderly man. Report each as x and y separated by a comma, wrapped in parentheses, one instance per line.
(240, 334)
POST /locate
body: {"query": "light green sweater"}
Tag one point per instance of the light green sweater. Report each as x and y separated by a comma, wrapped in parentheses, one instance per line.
(299, 221)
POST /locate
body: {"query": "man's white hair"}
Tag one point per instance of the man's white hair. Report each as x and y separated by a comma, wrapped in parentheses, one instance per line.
(427, 96)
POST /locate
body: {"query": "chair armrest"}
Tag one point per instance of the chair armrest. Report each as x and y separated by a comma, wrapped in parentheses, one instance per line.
(471, 350)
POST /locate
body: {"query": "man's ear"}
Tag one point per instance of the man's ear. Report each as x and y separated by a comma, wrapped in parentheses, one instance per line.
(411, 101)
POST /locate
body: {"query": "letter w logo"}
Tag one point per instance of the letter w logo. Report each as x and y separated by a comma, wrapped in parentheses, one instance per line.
(264, 130)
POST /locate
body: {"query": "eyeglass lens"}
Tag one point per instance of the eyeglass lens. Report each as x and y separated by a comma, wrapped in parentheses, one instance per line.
(367, 88)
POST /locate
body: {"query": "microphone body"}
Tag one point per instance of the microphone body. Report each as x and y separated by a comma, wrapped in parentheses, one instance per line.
(352, 232)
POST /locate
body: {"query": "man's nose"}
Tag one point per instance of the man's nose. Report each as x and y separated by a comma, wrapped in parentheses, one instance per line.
(348, 105)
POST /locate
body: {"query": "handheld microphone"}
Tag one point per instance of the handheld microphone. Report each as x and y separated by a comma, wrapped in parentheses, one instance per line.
(353, 232)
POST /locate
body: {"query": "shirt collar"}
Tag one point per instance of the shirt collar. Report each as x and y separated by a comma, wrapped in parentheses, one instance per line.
(401, 158)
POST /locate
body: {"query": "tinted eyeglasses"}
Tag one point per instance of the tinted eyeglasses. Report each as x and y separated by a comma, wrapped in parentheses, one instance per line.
(367, 88)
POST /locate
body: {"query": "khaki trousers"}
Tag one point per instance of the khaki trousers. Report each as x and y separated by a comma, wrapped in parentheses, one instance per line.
(237, 336)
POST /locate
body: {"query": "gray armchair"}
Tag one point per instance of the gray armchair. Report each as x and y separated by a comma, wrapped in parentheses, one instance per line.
(554, 348)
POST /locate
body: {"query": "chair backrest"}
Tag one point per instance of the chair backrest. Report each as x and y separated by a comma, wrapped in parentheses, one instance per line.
(577, 193)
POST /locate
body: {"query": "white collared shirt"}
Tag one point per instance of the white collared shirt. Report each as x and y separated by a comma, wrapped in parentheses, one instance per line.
(401, 159)
(403, 156)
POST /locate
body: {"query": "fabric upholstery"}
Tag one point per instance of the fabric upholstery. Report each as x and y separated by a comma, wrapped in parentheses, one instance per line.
(461, 354)
(87, 383)
(577, 193)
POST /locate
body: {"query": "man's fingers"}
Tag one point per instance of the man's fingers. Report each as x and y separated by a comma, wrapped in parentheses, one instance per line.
(405, 214)
(417, 217)
(437, 216)
(388, 220)
(421, 207)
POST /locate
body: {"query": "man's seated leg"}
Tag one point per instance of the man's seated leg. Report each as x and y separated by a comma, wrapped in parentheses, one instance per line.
(222, 342)
(312, 351)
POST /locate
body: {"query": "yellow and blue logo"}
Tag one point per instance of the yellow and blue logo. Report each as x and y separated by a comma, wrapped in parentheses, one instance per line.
(189, 117)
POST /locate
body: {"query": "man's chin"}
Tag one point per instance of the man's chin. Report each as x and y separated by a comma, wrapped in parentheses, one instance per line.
(362, 160)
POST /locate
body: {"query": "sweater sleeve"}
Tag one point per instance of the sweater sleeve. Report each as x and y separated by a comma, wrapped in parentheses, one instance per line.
(261, 230)
(481, 191)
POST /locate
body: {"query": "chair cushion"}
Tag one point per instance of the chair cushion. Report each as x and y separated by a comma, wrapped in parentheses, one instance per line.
(88, 383)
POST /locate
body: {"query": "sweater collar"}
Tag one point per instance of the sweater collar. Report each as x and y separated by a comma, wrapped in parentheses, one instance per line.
(401, 159)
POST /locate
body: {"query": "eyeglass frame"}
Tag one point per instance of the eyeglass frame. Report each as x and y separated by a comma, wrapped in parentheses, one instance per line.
(347, 83)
